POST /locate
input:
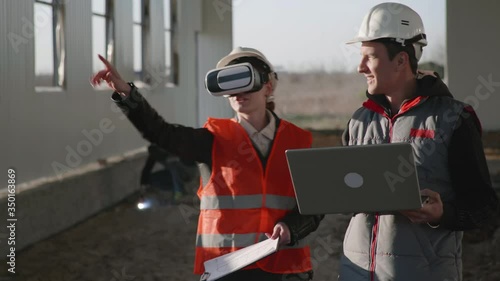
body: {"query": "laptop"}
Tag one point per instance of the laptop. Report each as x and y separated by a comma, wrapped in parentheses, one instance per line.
(354, 179)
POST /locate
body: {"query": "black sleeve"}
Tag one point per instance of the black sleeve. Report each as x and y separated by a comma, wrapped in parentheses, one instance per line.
(146, 170)
(157, 153)
(300, 225)
(476, 202)
(190, 144)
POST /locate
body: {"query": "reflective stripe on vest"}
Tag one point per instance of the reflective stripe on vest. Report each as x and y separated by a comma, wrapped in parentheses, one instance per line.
(234, 240)
(247, 202)
(280, 202)
(226, 240)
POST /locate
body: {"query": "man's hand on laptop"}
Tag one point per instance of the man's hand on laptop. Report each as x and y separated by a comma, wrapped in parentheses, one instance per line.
(431, 211)
(282, 232)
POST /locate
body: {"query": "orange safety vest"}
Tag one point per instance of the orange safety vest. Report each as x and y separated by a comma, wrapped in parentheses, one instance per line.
(241, 202)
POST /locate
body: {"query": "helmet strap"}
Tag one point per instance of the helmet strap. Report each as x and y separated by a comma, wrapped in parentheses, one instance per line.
(418, 50)
(412, 40)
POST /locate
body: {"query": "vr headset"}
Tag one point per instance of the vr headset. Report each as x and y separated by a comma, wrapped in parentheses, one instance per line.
(235, 79)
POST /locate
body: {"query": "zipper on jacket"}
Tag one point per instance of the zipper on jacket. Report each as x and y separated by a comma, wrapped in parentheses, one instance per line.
(390, 129)
(373, 247)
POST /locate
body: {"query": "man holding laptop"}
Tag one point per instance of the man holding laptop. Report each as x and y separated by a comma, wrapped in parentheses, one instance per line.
(405, 105)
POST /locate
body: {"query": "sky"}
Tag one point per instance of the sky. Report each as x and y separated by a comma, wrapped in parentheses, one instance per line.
(301, 35)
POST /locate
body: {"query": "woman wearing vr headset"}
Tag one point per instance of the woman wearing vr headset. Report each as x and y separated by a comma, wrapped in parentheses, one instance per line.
(246, 191)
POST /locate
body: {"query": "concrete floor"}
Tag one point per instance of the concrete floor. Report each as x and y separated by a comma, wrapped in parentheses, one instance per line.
(124, 243)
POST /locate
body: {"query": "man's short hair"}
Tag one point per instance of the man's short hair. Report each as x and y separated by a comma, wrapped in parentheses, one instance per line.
(393, 48)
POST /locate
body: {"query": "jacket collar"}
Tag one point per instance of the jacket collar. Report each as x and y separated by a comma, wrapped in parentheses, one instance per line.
(428, 85)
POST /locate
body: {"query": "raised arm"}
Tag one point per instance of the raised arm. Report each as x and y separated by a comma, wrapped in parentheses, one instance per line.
(112, 78)
(192, 144)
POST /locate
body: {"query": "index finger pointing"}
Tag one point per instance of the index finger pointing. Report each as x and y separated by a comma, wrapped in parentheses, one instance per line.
(106, 62)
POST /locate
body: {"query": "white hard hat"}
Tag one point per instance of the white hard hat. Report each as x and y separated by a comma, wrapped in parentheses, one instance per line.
(240, 52)
(394, 21)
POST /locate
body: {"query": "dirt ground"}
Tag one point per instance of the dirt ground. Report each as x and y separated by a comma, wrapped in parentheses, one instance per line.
(124, 243)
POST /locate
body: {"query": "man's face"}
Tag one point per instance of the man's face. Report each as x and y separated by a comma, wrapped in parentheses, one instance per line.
(380, 72)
